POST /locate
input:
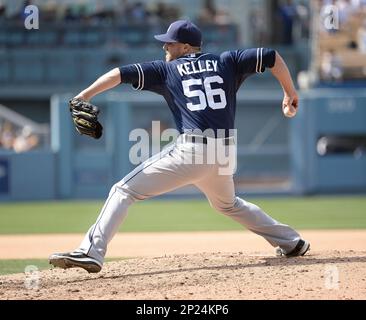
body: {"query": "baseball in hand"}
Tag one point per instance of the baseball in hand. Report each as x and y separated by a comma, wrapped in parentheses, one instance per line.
(289, 111)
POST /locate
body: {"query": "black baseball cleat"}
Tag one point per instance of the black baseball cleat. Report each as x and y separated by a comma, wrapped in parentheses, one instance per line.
(301, 248)
(75, 260)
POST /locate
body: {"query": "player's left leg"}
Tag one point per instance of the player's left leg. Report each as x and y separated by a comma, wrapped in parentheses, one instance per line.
(219, 190)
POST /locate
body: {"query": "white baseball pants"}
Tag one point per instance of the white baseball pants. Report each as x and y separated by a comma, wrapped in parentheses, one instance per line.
(174, 168)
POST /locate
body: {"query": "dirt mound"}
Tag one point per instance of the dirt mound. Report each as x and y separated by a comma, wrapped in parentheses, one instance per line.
(319, 275)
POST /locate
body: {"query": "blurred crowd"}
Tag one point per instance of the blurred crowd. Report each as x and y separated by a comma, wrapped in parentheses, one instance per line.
(344, 11)
(17, 139)
(91, 12)
(210, 13)
(290, 20)
(343, 25)
(294, 18)
(110, 11)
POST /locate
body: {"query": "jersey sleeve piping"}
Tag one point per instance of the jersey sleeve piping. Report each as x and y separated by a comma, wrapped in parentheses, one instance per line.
(258, 68)
(141, 81)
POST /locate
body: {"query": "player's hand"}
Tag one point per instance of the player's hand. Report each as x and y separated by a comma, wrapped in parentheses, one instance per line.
(82, 96)
(290, 104)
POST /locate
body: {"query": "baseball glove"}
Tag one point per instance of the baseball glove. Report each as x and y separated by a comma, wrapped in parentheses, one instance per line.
(85, 117)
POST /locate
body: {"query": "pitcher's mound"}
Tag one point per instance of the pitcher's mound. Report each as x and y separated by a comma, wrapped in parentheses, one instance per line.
(318, 275)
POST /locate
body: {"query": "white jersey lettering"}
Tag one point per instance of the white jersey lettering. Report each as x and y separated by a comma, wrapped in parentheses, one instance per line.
(181, 69)
(194, 67)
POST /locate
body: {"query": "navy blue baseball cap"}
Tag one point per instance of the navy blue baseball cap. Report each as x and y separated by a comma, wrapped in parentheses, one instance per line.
(182, 31)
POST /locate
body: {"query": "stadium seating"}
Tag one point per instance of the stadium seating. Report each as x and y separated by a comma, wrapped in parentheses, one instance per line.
(4, 67)
(354, 63)
(344, 44)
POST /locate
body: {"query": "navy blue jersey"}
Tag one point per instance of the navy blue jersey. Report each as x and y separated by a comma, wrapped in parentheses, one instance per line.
(200, 89)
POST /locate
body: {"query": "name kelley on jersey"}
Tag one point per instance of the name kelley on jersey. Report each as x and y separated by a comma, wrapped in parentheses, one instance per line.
(197, 67)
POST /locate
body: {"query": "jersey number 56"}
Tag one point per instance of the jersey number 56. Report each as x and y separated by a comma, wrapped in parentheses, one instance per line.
(205, 97)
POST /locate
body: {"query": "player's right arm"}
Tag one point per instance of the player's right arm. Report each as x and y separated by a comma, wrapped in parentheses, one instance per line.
(281, 72)
(107, 81)
(256, 60)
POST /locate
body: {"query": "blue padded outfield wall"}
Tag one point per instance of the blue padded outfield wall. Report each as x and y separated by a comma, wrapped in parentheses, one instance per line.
(86, 167)
(27, 176)
(270, 146)
(337, 113)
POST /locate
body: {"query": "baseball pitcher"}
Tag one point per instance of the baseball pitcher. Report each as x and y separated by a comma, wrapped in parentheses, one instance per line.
(200, 91)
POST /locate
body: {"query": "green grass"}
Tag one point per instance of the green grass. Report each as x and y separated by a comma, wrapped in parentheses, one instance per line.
(336, 212)
(18, 266)
(10, 266)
